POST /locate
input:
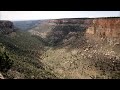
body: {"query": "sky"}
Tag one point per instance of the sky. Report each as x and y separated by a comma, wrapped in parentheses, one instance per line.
(35, 15)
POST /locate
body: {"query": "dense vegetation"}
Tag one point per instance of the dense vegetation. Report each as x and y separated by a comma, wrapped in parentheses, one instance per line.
(5, 61)
(22, 58)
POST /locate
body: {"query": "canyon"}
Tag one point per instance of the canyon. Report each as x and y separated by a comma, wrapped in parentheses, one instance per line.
(73, 48)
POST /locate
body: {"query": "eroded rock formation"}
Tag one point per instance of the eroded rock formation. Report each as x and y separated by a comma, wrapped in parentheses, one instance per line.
(6, 27)
(107, 27)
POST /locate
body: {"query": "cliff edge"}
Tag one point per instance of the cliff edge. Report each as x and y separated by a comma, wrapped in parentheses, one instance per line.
(6, 27)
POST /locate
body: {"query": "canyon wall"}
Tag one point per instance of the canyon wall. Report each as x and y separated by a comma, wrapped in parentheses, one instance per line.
(6, 27)
(98, 29)
(102, 27)
(108, 25)
(105, 27)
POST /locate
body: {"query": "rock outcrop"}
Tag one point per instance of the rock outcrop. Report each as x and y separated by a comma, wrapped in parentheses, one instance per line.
(106, 27)
(6, 27)
(1, 76)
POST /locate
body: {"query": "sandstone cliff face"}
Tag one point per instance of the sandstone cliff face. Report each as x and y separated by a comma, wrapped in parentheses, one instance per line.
(93, 28)
(6, 27)
(102, 27)
(69, 21)
(109, 27)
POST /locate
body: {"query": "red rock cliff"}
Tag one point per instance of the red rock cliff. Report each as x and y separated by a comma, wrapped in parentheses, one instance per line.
(107, 27)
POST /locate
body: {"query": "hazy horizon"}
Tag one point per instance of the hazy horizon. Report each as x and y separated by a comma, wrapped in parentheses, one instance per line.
(39, 15)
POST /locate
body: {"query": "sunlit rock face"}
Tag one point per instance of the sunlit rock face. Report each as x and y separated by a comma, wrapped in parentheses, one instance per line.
(106, 27)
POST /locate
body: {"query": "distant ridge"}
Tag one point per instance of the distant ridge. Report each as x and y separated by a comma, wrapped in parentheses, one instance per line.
(86, 18)
(66, 18)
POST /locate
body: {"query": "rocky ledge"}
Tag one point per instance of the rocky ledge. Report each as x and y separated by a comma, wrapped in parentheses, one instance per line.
(6, 27)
